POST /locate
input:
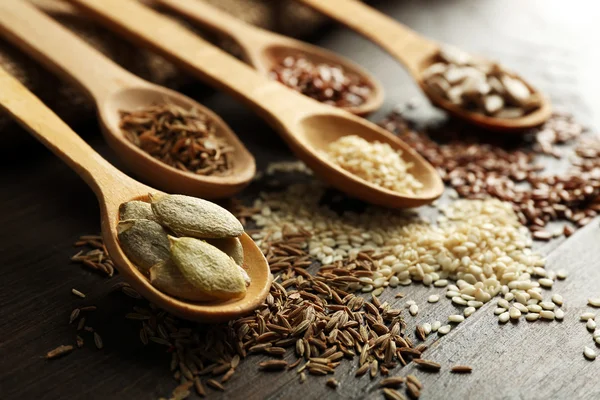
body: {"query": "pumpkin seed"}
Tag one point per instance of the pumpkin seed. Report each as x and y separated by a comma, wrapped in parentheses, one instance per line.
(231, 246)
(189, 216)
(144, 242)
(136, 210)
(207, 268)
(166, 277)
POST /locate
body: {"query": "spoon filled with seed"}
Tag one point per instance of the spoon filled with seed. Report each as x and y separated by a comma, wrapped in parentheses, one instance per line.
(468, 87)
(314, 71)
(164, 137)
(352, 154)
(188, 256)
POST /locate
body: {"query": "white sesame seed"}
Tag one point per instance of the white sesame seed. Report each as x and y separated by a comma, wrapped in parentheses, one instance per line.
(499, 310)
(522, 297)
(590, 325)
(532, 317)
(426, 328)
(459, 300)
(434, 298)
(413, 310)
(559, 314)
(535, 295)
(596, 334)
(589, 353)
(509, 296)
(504, 304)
(534, 308)
(504, 317)
(378, 291)
(514, 313)
(475, 304)
(440, 283)
(561, 274)
(547, 305)
(594, 301)
(597, 339)
(557, 299)
(546, 282)
(521, 308)
(444, 329)
(410, 303)
(456, 318)
(586, 316)
(469, 311)
(546, 314)
(435, 326)
(453, 288)
(452, 293)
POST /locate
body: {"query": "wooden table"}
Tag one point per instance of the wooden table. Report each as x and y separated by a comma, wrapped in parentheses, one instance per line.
(45, 207)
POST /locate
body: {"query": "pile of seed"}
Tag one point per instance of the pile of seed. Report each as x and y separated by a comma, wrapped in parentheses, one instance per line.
(376, 162)
(477, 166)
(186, 139)
(479, 85)
(330, 84)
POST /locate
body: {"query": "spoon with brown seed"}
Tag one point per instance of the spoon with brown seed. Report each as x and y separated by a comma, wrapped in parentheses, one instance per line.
(473, 89)
(114, 188)
(344, 83)
(115, 90)
(309, 127)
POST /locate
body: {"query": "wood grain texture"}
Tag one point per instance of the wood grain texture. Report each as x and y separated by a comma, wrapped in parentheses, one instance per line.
(45, 207)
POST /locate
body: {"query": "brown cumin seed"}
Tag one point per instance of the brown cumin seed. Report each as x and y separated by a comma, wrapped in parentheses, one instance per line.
(228, 375)
(78, 293)
(332, 383)
(81, 324)
(414, 380)
(362, 370)
(461, 369)
(98, 340)
(215, 385)
(221, 369)
(235, 361)
(59, 351)
(199, 387)
(391, 394)
(74, 314)
(427, 365)
(393, 382)
(413, 390)
(273, 365)
(374, 368)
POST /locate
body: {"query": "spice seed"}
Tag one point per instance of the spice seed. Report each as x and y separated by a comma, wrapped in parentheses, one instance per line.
(59, 351)
(215, 385)
(461, 369)
(273, 365)
(332, 383)
(594, 302)
(78, 293)
(391, 394)
(412, 390)
(434, 298)
(586, 316)
(392, 382)
(589, 353)
(427, 365)
(74, 314)
(98, 340)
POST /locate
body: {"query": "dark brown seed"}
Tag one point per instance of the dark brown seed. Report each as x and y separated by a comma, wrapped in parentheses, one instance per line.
(273, 365)
(228, 375)
(98, 340)
(393, 382)
(199, 387)
(461, 369)
(59, 351)
(74, 314)
(413, 390)
(427, 365)
(391, 394)
(332, 383)
(414, 380)
(215, 385)
(362, 370)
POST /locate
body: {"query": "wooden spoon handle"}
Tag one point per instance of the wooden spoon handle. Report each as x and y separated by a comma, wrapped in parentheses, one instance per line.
(42, 123)
(59, 49)
(403, 43)
(276, 103)
(247, 36)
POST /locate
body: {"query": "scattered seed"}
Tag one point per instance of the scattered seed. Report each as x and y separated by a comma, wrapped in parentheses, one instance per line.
(78, 293)
(332, 383)
(427, 365)
(586, 316)
(443, 330)
(273, 365)
(98, 340)
(434, 298)
(59, 351)
(391, 394)
(594, 302)
(461, 369)
(589, 353)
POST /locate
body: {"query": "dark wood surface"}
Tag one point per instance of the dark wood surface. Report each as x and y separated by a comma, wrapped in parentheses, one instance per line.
(45, 207)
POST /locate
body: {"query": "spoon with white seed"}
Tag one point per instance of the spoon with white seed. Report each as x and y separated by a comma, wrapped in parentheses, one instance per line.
(471, 88)
(113, 188)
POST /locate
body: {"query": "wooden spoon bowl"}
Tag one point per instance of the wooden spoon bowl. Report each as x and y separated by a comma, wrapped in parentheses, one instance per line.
(114, 89)
(114, 188)
(417, 53)
(160, 174)
(264, 50)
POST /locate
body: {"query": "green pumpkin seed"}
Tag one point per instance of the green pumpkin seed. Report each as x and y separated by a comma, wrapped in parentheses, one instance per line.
(190, 216)
(207, 268)
(231, 246)
(136, 210)
(166, 277)
(144, 242)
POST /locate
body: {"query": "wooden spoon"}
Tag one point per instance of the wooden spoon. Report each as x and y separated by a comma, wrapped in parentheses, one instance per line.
(113, 188)
(264, 50)
(417, 53)
(114, 89)
(305, 124)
